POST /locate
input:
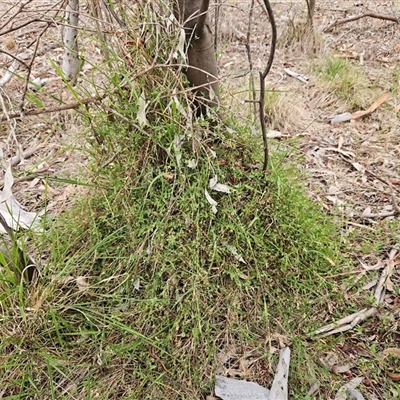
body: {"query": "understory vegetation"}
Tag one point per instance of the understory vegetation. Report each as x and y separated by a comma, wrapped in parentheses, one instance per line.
(145, 286)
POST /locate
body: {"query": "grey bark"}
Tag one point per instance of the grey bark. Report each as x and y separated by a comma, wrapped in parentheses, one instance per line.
(202, 70)
(70, 62)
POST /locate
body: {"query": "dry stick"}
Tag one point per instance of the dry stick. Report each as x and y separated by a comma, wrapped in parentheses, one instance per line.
(382, 180)
(32, 21)
(347, 323)
(12, 17)
(29, 152)
(248, 51)
(357, 17)
(35, 51)
(352, 320)
(396, 208)
(37, 174)
(387, 271)
(90, 100)
(15, 58)
(263, 75)
(47, 110)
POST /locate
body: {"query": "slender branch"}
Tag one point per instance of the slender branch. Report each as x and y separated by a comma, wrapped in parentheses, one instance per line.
(15, 58)
(35, 52)
(262, 81)
(273, 38)
(32, 21)
(261, 105)
(248, 51)
(357, 17)
(47, 110)
(12, 17)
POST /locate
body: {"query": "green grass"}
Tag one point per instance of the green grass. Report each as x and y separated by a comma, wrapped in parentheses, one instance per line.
(344, 80)
(141, 289)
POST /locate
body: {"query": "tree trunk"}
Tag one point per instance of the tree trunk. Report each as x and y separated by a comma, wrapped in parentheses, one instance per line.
(202, 71)
(70, 62)
(310, 11)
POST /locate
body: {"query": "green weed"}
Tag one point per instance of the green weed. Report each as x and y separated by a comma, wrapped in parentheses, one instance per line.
(345, 80)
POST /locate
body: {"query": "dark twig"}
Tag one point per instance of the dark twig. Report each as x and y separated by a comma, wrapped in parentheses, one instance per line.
(263, 75)
(357, 17)
(35, 51)
(32, 21)
(47, 110)
(15, 58)
(248, 51)
(12, 17)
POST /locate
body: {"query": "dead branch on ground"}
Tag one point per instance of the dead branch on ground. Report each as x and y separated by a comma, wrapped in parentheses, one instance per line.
(357, 17)
(349, 322)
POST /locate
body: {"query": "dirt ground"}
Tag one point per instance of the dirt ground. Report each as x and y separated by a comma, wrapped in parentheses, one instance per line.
(353, 166)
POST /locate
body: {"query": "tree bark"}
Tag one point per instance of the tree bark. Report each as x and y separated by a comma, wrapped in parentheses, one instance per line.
(70, 62)
(202, 70)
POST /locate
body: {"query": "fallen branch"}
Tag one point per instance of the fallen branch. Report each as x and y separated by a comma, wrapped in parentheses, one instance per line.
(357, 17)
(345, 324)
(385, 278)
(349, 322)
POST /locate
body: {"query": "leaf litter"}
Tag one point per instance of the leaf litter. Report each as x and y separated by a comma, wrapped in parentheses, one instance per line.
(353, 168)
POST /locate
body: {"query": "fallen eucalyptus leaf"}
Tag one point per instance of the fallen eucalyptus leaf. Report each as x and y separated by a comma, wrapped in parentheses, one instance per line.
(341, 118)
(354, 394)
(211, 201)
(219, 187)
(342, 392)
(16, 217)
(235, 253)
(141, 113)
(394, 376)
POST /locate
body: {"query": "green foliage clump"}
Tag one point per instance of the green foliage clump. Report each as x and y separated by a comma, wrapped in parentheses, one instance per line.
(345, 80)
(144, 285)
